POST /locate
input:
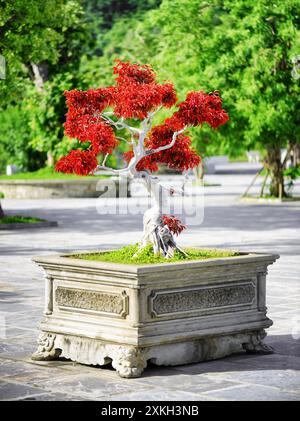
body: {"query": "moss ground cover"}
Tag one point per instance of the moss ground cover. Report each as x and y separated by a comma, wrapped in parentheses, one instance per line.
(20, 219)
(126, 255)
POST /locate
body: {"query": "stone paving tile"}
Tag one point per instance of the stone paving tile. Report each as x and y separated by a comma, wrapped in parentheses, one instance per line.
(226, 224)
(17, 391)
(282, 308)
(274, 361)
(207, 367)
(288, 346)
(29, 374)
(53, 397)
(252, 393)
(14, 332)
(188, 383)
(157, 394)
(285, 380)
(16, 350)
(88, 386)
(60, 363)
(243, 363)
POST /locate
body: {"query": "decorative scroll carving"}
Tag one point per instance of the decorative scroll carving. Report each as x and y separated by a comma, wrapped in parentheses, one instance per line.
(92, 300)
(129, 361)
(255, 345)
(201, 298)
(46, 348)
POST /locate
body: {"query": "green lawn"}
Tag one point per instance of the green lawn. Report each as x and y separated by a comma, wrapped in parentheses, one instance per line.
(146, 256)
(20, 219)
(46, 174)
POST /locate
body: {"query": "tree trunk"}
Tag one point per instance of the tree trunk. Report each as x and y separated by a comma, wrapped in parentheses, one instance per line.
(40, 75)
(155, 232)
(276, 172)
(1, 211)
(296, 155)
(50, 159)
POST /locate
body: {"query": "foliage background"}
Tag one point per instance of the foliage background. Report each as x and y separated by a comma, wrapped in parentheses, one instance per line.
(243, 48)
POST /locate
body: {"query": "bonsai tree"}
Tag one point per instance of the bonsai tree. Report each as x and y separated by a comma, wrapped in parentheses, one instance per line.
(97, 115)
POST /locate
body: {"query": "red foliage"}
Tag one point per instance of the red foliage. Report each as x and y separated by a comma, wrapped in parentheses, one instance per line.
(77, 125)
(78, 162)
(168, 95)
(200, 107)
(90, 101)
(174, 224)
(133, 73)
(102, 138)
(180, 155)
(135, 94)
(82, 121)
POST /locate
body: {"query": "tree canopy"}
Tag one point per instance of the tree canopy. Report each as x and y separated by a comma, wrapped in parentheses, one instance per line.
(246, 49)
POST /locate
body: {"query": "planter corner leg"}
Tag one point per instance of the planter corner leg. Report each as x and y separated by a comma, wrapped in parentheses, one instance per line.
(256, 344)
(129, 362)
(46, 348)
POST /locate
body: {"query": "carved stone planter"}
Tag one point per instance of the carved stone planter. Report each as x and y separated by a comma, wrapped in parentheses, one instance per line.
(170, 314)
(48, 189)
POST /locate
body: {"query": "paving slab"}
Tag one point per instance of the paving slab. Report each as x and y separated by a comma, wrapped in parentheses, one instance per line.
(227, 223)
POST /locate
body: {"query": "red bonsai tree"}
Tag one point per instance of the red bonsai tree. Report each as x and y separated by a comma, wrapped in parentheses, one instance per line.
(96, 115)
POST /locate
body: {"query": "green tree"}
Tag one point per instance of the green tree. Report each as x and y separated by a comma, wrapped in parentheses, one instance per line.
(33, 37)
(44, 43)
(15, 139)
(243, 48)
(38, 39)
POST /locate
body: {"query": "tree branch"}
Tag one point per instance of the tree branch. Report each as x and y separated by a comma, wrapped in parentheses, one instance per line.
(120, 124)
(138, 150)
(287, 156)
(104, 167)
(105, 158)
(163, 148)
(125, 140)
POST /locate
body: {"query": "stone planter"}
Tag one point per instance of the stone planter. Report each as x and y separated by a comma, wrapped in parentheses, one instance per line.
(170, 314)
(48, 189)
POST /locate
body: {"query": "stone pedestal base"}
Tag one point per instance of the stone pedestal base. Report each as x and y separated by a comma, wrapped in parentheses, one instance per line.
(170, 314)
(130, 361)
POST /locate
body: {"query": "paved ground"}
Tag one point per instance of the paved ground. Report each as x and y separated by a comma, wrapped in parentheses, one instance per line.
(227, 223)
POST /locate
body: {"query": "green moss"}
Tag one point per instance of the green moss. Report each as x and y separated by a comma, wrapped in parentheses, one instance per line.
(17, 219)
(47, 173)
(146, 256)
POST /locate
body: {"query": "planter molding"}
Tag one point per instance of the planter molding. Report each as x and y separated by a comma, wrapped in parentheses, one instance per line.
(174, 313)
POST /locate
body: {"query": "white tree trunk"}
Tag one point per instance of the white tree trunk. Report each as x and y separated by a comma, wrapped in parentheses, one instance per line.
(154, 231)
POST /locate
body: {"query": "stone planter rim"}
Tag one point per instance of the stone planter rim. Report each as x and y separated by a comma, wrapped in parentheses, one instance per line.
(68, 262)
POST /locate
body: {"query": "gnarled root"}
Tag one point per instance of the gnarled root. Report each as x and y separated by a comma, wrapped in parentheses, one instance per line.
(159, 235)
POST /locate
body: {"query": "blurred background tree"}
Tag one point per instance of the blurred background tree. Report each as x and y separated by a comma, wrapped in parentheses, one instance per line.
(243, 48)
